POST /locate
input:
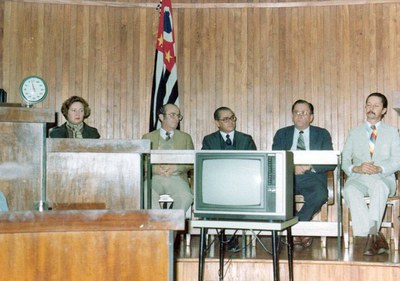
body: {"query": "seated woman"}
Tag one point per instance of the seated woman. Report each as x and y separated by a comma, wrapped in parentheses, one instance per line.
(75, 110)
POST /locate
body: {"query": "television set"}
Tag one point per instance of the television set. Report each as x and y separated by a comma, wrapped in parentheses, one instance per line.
(243, 185)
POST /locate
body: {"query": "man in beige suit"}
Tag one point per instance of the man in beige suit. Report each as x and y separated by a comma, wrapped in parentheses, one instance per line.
(371, 156)
(170, 179)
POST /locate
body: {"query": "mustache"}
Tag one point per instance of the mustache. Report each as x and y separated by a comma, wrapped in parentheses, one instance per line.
(371, 112)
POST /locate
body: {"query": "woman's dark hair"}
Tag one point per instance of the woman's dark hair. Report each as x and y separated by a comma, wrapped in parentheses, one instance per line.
(67, 104)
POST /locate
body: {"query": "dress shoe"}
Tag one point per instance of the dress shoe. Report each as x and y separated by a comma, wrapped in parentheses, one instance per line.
(307, 241)
(370, 246)
(297, 242)
(233, 244)
(381, 244)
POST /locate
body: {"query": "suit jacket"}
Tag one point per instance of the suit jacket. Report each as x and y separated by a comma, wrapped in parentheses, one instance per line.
(241, 141)
(386, 152)
(320, 139)
(181, 140)
(62, 132)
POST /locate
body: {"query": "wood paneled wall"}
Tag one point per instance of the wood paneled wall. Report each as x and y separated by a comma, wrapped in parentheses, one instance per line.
(255, 57)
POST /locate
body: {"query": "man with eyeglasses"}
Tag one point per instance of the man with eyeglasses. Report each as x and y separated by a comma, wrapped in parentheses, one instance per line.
(167, 178)
(309, 181)
(227, 138)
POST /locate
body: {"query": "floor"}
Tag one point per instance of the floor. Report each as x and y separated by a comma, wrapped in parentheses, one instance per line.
(261, 249)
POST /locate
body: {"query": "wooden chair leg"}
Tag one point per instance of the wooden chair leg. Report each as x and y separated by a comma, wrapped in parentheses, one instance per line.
(396, 224)
(188, 239)
(346, 225)
(323, 241)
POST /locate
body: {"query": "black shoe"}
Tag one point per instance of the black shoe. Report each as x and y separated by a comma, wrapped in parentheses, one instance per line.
(370, 246)
(233, 244)
(382, 247)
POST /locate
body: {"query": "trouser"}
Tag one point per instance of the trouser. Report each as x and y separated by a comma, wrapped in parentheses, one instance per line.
(363, 216)
(315, 192)
(176, 187)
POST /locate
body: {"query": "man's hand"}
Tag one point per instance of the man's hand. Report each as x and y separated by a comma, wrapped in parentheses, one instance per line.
(165, 170)
(301, 169)
(367, 168)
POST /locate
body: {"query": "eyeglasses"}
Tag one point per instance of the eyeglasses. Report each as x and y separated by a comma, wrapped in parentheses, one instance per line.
(233, 118)
(301, 113)
(174, 115)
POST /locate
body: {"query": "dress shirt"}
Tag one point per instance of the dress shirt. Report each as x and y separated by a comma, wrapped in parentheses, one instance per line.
(306, 137)
(231, 134)
(163, 134)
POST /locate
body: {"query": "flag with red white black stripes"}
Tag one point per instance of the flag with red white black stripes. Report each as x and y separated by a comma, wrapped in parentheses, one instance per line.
(165, 83)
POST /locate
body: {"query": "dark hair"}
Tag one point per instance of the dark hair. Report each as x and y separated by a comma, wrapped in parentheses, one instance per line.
(379, 95)
(310, 106)
(67, 104)
(163, 109)
(217, 112)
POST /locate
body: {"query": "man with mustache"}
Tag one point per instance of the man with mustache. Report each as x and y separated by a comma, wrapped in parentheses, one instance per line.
(370, 157)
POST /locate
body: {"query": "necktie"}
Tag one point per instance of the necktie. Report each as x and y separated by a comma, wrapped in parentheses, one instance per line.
(228, 140)
(168, 137)
(372, 140)
(300, 142)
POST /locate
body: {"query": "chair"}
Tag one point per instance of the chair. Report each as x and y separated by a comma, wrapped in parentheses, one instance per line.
(327, 221)
(177, 157)
(390, 222)
(318, 225)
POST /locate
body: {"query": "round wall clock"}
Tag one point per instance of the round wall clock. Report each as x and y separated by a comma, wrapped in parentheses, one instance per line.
(33, 89)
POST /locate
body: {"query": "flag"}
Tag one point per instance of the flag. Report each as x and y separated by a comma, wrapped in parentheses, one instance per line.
(165, 83)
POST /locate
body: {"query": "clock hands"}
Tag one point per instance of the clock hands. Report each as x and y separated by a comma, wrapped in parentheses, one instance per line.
(33, 86)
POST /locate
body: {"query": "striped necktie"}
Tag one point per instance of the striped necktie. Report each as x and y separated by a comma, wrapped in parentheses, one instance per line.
(372, 140)
(300, 142)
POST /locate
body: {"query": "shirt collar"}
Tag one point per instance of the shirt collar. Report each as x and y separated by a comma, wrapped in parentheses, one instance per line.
(368, 125)
(231, 135)
(163, 133)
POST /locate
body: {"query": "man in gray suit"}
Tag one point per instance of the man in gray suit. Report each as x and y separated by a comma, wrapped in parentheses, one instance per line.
(227, 138)
(370, 157)
(3, 203)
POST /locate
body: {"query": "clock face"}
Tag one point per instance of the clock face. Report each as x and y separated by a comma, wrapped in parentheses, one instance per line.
(33, 89)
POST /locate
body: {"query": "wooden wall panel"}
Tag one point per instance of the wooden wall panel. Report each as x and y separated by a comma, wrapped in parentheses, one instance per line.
(255, 57)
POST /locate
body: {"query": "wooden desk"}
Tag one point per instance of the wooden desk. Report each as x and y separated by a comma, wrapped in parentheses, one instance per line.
(89, 245)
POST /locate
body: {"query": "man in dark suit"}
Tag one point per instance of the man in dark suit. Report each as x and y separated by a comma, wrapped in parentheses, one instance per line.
(227, 138)
(309, 181)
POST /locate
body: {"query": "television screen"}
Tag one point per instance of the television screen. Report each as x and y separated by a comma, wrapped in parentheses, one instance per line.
(249, 173)
(250, 185)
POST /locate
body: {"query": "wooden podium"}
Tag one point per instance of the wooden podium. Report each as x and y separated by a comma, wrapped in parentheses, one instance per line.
(96, 173)
(89, 245)
(22, 154)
